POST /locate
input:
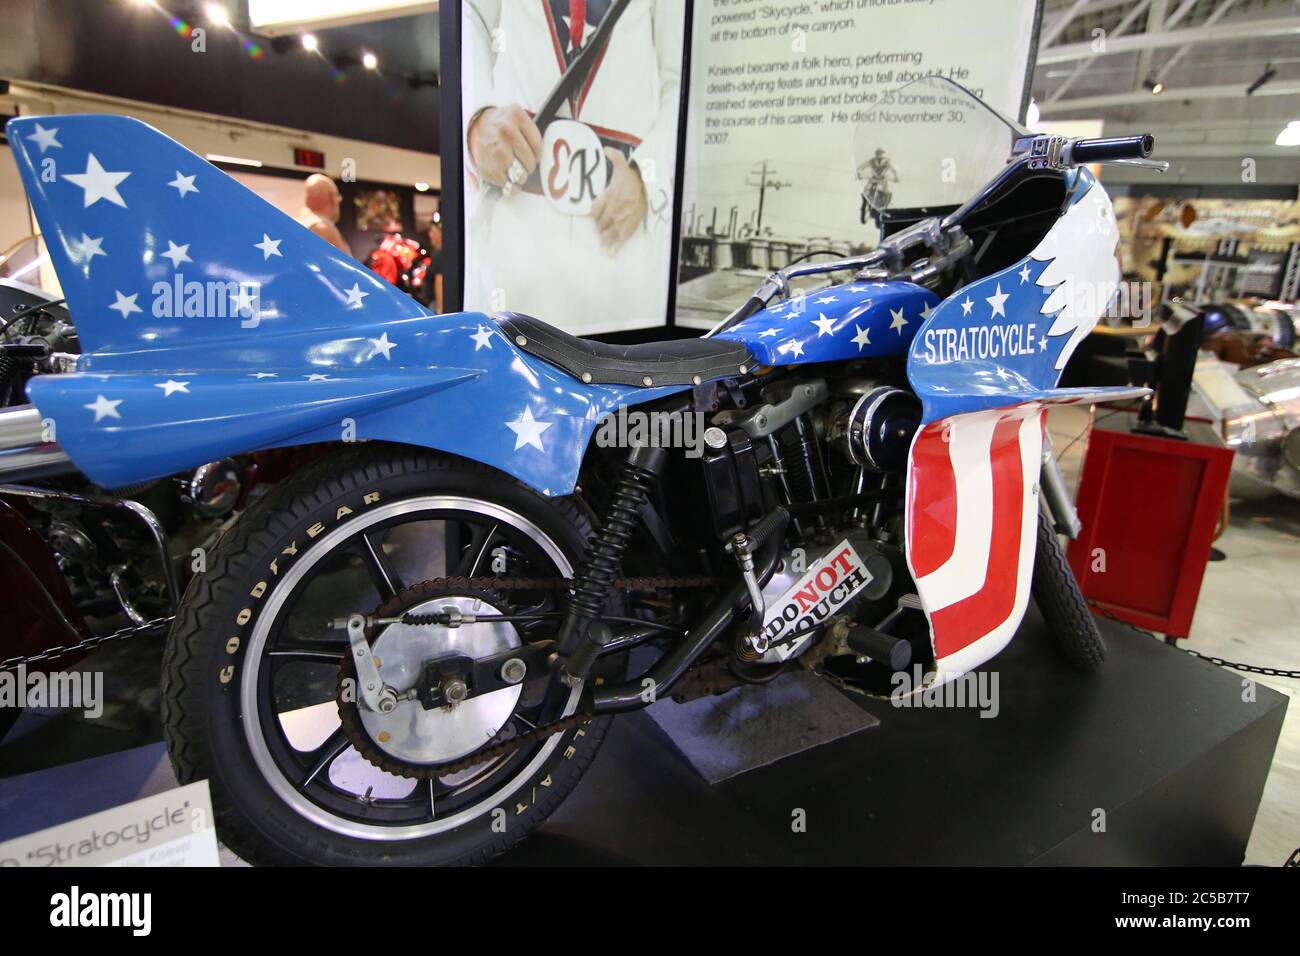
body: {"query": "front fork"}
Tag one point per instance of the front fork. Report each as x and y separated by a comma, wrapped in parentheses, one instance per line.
(1056, 496)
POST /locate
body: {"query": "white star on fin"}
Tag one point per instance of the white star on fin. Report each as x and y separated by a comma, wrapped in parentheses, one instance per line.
(45, 138)
(925, 314)
(98, 183)
(482, 338)
(260, 375)
(1024, 274)
(824, 325)
(355, 295)
(862, 338)
(899, 321)
(171, 386)
(103, 408)
(382, 344)
(827, 299)
(177, 254)
(270, 247)
(126, 304)
(88, 248)
(528, 431)
(317, 377)
(768, 333)
(998, 300)
(966, 307)
(795, 348)
(183, 184)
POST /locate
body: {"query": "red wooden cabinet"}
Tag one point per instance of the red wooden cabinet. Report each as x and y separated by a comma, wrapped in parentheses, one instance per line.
(1149, 507)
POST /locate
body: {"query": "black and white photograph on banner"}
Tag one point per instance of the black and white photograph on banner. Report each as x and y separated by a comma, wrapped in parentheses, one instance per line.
(656, 434)
(800, 135)
(571, 112)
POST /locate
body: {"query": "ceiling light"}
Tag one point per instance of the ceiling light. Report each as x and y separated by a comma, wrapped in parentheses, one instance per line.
(422, 187)
(217, 14)
(1156, 87)
(369, 61)
(310, 43)
(1290, 135)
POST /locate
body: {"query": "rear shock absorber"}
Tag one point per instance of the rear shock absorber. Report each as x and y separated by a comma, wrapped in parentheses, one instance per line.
(582, 636)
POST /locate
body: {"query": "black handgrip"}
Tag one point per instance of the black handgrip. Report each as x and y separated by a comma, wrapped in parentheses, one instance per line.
(1119, 147)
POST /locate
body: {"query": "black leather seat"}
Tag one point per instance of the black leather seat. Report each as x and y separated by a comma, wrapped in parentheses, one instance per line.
(676, 362)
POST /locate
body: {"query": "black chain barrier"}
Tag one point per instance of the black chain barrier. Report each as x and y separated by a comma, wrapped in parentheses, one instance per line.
(1221, 662)
(135, 630)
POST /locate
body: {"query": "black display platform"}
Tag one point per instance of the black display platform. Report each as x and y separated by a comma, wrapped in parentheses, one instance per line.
(1159, 740)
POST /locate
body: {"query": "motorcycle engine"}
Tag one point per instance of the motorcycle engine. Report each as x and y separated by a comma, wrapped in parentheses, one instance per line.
(815, 441)
(872, 425)
(795, 565)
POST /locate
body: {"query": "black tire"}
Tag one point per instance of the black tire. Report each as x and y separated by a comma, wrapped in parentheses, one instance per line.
(1074, 629)
(205, 653)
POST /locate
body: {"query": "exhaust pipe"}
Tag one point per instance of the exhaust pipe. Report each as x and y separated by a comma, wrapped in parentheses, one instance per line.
(24, 451)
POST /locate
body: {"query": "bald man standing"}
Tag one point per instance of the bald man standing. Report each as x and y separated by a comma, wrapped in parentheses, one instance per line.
(322, 210)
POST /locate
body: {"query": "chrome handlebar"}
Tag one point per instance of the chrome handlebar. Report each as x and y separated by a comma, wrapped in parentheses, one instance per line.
(947, 243)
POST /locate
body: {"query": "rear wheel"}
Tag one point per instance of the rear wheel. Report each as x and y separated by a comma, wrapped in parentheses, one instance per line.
(252, 691)
(1074, 629)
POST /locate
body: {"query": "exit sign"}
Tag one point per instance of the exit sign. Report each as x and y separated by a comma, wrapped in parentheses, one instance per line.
(309, 158)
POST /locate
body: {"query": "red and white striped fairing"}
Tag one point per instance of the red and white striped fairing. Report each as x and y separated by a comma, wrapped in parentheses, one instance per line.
(972, 517)
(972, 521)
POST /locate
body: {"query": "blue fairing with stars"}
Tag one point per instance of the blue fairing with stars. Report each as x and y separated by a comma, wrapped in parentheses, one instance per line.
(1004, 339)
(855, 320)
(213, 324)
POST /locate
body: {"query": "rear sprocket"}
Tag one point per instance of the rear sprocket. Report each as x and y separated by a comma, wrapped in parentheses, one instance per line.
(505, 742)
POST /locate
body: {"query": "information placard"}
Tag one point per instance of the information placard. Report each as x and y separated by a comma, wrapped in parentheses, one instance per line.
(174, 828)
(777, 92)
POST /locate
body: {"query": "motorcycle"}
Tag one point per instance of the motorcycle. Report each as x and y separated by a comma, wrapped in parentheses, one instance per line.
(404, 263)
(410, 651)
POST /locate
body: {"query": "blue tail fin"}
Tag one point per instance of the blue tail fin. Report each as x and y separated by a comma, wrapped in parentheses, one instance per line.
(156, 247)
(211, 323)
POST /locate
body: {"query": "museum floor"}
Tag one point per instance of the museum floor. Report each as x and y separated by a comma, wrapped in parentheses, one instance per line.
(1246, 613)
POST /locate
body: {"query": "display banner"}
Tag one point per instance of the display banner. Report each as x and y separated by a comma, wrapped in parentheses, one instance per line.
(798, 135)
(174, 828)
(569, 114)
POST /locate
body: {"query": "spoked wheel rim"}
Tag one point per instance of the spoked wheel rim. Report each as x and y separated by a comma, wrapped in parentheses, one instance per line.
(326, 782)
